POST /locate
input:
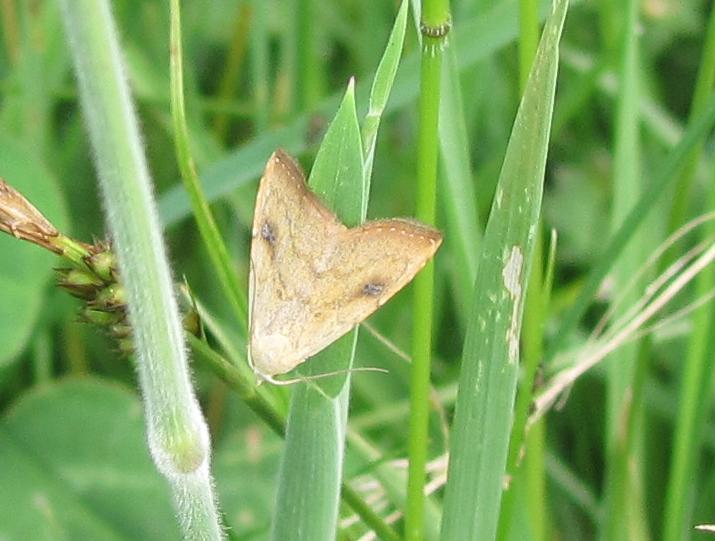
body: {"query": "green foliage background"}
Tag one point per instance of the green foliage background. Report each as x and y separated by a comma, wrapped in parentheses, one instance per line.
(261, 75)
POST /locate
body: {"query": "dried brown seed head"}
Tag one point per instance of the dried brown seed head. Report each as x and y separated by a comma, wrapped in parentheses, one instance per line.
(19, 218)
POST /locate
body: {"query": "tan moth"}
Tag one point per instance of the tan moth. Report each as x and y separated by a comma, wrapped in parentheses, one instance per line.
(312, 278)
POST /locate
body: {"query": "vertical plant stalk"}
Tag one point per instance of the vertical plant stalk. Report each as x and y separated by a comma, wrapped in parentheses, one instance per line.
(213, 242)
(434, 26)
(177, 434)
(682, 195)
(229, 82)
(621, 486)
(696, 385)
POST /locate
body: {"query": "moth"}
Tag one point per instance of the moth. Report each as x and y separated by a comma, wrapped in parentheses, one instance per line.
(312, 278)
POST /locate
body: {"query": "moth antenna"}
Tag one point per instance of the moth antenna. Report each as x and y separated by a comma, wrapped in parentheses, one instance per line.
(305, 379)
(385, 341)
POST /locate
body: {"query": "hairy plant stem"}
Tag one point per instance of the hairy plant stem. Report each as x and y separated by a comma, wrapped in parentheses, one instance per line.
(177, 434)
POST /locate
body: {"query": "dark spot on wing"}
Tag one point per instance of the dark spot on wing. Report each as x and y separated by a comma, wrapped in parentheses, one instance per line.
(268, 234)
(373, 289)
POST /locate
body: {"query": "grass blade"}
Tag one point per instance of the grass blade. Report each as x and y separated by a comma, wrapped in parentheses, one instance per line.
(315, 431)
(622, 365)
(457, 192)
(487, 384)
(380, 92)
(311, 468)
(696, 385)
(214, 244)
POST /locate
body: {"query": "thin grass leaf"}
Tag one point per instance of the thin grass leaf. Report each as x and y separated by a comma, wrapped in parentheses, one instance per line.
(483, 415)
(380, 92)
(457, 193)
(526, 494)
(214, 244)
(702, 91)
(435, 25)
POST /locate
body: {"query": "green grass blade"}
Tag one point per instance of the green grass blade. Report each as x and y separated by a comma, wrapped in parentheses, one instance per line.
(337, 174)
(701, 93)
(528, 37)
(457, 193)
(311, 467)
(380, 92)
(214, 244)
(483, 415)
(694, 399)
(696, 385)
(315, 432)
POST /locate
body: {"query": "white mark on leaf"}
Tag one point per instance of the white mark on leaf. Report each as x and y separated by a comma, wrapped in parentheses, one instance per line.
(511, 275)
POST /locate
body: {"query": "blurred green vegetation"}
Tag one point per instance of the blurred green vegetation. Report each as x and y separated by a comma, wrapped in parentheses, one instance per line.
(266, 74)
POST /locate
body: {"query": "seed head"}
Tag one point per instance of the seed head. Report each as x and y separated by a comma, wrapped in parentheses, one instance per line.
(21, 219)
